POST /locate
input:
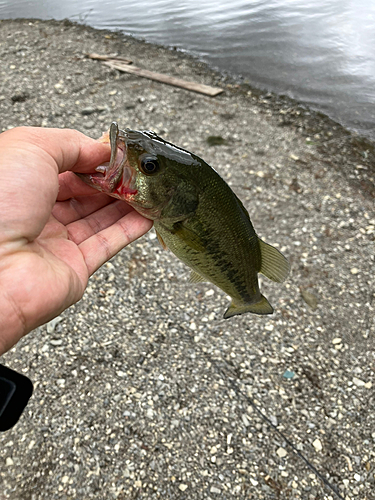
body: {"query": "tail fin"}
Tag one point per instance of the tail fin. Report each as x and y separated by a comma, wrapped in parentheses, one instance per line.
(274, 264)
(261, 307)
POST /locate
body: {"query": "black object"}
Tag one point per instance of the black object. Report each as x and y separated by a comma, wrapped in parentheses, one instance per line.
(15, 392)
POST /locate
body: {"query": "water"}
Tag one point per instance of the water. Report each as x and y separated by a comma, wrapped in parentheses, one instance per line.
(320, 52)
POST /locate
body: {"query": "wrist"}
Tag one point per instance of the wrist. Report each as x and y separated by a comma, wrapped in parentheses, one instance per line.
(12, 323)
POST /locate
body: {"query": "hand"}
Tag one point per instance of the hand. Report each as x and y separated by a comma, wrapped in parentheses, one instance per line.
(54, 230)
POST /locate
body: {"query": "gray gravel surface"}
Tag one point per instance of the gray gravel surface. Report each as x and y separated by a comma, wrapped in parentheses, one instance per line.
(142, 390)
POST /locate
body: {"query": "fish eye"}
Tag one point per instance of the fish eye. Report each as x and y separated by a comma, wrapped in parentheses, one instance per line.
(149, 166)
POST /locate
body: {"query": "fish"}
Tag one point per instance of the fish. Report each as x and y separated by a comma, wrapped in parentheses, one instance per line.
(195, 213)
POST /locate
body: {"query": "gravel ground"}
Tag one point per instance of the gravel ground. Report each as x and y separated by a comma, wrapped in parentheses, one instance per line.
(142, 390)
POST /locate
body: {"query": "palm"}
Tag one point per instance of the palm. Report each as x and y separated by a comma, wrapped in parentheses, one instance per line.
(49, 248)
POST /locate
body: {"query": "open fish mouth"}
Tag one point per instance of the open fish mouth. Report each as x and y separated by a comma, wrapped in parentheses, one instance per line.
(117, 177)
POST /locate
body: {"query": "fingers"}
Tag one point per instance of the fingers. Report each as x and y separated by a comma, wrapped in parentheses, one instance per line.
(74, 209)
(83, 229)
(67, 149)
(102, 246)
(71, 186)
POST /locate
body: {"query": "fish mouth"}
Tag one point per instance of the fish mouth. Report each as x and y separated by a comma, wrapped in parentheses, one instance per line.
(116, 177)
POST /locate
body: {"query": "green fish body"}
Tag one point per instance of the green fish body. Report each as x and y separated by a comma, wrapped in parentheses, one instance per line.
(196, 215)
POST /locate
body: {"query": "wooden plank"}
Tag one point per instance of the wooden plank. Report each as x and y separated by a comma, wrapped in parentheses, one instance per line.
(160, 77)
(101, 57)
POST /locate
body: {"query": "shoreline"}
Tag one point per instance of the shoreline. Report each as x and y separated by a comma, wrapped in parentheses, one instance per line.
(359, 150)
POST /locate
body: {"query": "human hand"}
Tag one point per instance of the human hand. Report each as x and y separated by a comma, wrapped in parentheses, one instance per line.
(54, 230)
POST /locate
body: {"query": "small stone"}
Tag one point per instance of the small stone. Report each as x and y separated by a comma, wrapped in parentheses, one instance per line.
(88, 111)
(281, 452)
(65, 479)
(9, 461)
(288, 374)
(51, 325)
(345, 482)
(213, 450)
(336, 340)
(245, 420)
(138, 484)
(354, 270)
(56, 342)
(368, 385)
(357, 477)
(254, 482)
(216, 490)
(183, 487)
(317, 445)
(112, 92)
(358, 382)
(89, 124)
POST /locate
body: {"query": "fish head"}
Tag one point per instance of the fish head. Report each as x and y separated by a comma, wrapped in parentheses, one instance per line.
(144, 170)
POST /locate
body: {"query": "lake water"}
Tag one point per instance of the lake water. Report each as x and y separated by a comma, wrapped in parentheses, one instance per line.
(320, 52)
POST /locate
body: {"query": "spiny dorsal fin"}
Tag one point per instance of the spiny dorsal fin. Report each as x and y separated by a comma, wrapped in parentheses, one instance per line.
(274, 264)
(196, 278)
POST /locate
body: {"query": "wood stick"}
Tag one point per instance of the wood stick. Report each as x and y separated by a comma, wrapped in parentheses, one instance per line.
(100, 57)
(159, 77)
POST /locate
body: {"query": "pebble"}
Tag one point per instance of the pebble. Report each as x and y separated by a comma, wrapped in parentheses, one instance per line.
(51, 325)
(358, 382)
(281, 452)
(9, 461)
(317, 445)
(215, 490)
(354, 270)
(183, 487)
(89, 124)
(56, 342)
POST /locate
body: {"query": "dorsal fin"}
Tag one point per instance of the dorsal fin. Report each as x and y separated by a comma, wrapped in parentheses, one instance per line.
(196, 278)
(274, 264)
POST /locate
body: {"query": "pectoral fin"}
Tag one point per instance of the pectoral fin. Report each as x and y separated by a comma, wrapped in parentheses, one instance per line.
(161, 241)
(191, 238)
(274, 264)
(261, 307)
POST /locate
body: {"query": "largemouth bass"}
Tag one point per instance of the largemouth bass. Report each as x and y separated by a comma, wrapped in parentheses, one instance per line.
(196, 215)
